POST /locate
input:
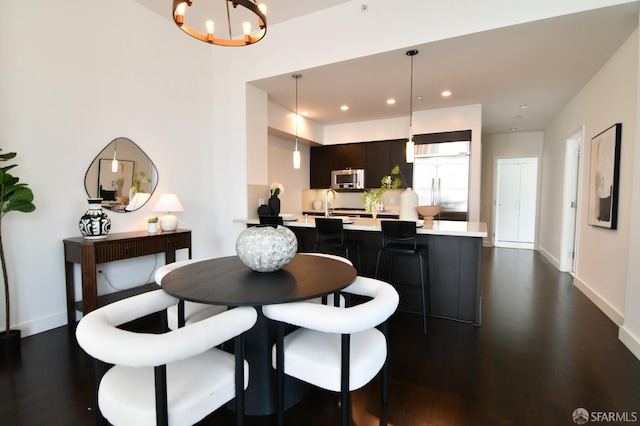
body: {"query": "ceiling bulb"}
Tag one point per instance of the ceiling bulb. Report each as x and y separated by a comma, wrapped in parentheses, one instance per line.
(410, 145)
(259, 10)
(296, 152)
(446, 93)
(344, 108)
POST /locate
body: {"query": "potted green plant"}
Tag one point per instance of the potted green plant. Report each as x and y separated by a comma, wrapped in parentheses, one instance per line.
(392, 181)
(14, 196)
(152, 225)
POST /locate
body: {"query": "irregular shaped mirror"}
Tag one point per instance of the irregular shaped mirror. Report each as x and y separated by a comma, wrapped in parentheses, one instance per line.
(122, 175)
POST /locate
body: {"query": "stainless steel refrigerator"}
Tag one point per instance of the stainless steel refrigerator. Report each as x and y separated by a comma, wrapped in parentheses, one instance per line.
(441, 177)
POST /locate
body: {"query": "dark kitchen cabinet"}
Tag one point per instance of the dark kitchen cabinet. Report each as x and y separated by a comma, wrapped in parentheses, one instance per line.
(377, 163)
(320, 167)
(348, 156)
(334, 157)
(377, 158)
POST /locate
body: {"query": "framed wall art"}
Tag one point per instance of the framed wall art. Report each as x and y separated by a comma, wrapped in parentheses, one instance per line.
(604, 176)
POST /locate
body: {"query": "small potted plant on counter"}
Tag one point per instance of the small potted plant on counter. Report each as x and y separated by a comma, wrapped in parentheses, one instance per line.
(14, 196)
(392, 181)
(152, 225)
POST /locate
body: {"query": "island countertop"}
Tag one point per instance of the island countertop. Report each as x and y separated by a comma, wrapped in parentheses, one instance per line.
(435, 227)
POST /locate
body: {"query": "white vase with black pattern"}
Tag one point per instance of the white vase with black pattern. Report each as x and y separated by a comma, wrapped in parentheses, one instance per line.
(94, 223)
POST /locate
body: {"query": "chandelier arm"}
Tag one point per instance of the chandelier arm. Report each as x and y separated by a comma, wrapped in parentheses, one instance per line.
(229, 20)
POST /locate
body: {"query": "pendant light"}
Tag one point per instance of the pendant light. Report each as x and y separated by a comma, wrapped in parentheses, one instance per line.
(114, 162)
(410, 146)
(296, 152)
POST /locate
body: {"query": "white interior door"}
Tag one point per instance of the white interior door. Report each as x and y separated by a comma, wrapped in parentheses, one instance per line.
(515, 202)
(570, 203)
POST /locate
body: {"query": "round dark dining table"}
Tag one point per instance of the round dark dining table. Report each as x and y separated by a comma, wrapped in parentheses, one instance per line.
(227, 281)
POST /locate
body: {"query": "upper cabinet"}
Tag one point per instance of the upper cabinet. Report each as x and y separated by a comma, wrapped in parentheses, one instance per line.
(377, 158)
(348, 156)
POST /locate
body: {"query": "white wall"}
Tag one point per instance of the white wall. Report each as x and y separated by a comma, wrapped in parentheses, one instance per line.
(502, 146)
(602, 262)
(75, 75)
(630, 331)
(281, 170)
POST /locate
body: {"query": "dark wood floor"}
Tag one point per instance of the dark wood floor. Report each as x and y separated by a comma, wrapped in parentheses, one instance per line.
(542, 351)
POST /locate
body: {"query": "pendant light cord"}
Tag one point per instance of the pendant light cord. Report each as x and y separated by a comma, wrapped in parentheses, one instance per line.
(411, 98)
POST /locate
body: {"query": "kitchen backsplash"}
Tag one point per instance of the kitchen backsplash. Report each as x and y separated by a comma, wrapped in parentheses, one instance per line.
(351, 200)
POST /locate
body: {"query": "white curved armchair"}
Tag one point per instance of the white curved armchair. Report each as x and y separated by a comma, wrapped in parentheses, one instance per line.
(192, 311)
(337, 349)
(175, 378)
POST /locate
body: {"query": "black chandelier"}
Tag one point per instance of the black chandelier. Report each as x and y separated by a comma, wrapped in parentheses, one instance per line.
(179, 9)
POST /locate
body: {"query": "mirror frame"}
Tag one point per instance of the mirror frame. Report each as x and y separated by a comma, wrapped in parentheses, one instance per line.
(132, 161)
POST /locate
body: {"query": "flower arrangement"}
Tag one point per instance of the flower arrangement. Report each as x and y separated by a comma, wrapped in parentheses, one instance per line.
(276, 189)
(394, 180)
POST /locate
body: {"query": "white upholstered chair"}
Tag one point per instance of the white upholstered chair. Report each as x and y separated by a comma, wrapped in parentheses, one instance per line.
(193, 311)
(175, 378)
(338, 349)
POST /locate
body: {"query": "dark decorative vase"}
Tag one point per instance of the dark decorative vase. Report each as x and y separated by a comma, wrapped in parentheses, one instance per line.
(9, 345)
(274, 205)
(95, 224)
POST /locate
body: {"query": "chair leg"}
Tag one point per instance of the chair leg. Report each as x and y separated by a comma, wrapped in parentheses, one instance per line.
(345, 400)
(385, 368)
(424, 301)
(98, 372)
(162, 407)
(377, 264)
(280, 373)
(239, 379)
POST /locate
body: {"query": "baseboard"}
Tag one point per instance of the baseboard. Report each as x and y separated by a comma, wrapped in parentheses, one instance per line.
(41, 324)
(631, 341)
(611, 312)
(555, 262)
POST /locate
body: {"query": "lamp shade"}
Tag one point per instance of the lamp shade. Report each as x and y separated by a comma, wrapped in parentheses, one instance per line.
(168, 203)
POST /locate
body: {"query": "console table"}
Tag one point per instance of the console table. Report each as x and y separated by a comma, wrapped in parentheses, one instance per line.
(117, 246)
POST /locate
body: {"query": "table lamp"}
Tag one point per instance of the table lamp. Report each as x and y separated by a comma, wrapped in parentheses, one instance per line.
(168, 203)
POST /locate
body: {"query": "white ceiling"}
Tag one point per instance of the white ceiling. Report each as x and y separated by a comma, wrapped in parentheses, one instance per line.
(541, 64)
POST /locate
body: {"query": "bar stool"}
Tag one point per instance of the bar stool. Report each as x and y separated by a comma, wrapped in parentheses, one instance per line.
(400, 238)
(330, 234)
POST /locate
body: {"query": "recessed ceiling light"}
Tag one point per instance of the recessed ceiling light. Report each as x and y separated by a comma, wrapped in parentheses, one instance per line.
(419, 98)
(446, 93)
(524, 106)
(305, 113)
(518, 117)
(513, 129)
(344, 107)
(391, 101)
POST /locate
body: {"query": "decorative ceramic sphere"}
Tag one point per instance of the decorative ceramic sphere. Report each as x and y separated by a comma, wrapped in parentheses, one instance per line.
(265, 248)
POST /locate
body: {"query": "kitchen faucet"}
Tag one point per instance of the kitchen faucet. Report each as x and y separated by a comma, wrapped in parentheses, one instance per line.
(326, 201)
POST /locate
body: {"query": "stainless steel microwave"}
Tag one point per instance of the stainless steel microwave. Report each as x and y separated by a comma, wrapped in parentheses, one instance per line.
(347, 179)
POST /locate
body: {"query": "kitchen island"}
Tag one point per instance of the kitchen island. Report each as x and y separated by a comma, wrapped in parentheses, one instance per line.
(454, 262)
